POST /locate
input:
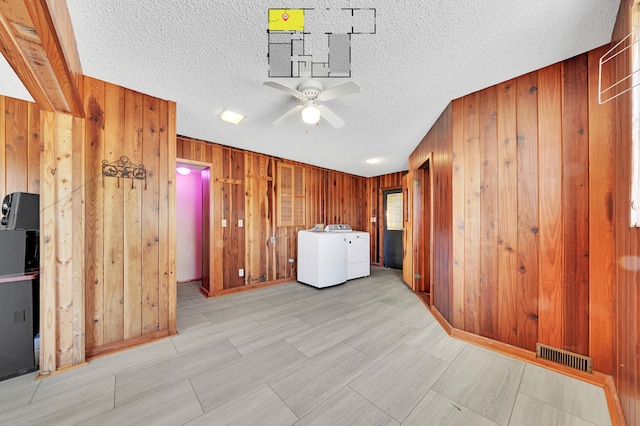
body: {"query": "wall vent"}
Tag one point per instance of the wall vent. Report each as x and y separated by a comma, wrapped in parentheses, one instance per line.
(570, 359)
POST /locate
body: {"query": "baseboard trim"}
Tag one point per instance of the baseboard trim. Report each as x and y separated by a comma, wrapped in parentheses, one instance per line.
(122, 345)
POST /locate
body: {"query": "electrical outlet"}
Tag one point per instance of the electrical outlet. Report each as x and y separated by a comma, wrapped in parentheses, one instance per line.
(224, 223)
(273, 239)
(240, 223)
(373, 219)
(241, 272)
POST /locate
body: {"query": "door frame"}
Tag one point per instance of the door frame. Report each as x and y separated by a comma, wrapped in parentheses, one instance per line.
(424, 190)
(392, 190)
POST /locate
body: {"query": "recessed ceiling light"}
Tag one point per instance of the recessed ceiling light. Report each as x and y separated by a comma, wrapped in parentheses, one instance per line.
(373, 160)
(230, 116)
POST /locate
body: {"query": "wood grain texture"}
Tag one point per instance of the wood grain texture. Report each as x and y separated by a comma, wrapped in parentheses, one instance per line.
(575, 153)
(550, 208)
(46, 62)
(601, 248)
(528, 226)
(488, 212)
(626, 240)
(471, 138)
(508, 214)
(458, 202)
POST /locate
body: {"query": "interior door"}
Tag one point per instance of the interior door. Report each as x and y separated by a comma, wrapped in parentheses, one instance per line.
(392, 230)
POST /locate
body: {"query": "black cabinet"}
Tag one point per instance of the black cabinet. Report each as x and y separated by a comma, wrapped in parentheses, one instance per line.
(17, 325)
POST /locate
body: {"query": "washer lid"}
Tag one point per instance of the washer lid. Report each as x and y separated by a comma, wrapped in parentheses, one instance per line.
(338, 227)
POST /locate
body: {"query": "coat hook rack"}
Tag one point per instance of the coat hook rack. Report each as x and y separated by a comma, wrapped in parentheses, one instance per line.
(125, 169)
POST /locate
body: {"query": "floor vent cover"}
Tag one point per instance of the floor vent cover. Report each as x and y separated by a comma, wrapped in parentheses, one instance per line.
(570, 359)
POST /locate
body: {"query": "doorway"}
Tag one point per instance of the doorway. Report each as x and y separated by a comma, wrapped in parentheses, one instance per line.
(192, 213)
(392, 230)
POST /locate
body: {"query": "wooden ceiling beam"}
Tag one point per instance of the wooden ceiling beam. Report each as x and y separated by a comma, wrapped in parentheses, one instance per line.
(36, 38)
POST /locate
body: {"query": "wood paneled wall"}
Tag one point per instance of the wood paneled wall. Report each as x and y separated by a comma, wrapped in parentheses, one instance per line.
(20, 153)
(242, 186)
(626, 347)
(107, 252)
(524, 200)
(130, 245)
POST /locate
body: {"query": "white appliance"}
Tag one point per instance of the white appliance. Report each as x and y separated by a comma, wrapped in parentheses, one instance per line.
(322, 258)
(358, 260)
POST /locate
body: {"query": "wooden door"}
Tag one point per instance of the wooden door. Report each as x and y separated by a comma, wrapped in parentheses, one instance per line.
(392, 229)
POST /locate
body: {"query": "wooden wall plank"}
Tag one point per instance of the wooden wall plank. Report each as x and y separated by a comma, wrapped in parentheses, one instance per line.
(527, 129)
(164, 171)
(550, 205)
(488, 213)
(63, 242)
(78, 241)
(471, 137)
(48, 282)
(132, 211)
(34, 149)
(16, 148)
(151, 207)
(508, 214)
(458, 203)
(94, 101)
(113, 218)
(575, 151)
(601, 249)
(171, 217)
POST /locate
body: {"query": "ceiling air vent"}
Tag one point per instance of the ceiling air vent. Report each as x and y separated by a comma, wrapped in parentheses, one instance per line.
(570, 359)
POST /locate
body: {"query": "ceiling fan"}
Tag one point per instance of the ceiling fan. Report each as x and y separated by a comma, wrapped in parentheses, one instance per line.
(311, 92)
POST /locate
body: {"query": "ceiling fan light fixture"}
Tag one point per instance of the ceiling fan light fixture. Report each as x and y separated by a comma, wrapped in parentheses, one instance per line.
(311, 114)
(230, 116)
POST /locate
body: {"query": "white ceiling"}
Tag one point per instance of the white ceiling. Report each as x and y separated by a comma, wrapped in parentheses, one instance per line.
(206, 55)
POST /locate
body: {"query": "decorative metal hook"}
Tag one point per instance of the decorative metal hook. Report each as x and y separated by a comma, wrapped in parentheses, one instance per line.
(124, 168)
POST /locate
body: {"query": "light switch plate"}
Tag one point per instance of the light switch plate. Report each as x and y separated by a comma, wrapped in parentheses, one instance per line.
(240, 223)
(373, 219)
(224, 223)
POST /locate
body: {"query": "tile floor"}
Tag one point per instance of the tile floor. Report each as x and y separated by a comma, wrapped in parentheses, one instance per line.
(363, 353)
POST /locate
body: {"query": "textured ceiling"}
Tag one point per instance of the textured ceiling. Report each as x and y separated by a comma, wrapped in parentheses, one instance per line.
(207, 55)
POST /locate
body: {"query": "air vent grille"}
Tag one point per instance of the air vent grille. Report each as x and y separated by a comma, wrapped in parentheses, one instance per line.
(569, 359)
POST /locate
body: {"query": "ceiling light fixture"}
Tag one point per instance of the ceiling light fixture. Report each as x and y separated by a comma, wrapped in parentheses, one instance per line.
(373, 160)
(230, 116)
(311, 113)
(183, 170)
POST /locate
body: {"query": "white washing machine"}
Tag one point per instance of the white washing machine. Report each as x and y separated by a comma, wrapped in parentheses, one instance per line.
(322, 258)
(358, 242)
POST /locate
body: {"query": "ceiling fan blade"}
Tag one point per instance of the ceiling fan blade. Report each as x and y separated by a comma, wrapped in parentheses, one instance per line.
(288, 114)
(338, 91)
(282, 87)
(331, 117)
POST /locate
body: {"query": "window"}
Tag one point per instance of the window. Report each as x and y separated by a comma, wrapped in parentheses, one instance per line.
(290, 195)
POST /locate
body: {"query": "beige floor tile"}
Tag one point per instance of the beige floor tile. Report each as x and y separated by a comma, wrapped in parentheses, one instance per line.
(138, 382)
(571, 395)
(310, 383)
(257, 338)
(346, 407)
(529, 411)
(18, 391)
(258, 406)
(399, 381)
(317, 339)
(68, 408)
(433, 340)
(484, 382)
(381, 339)
(438, 410)
(174, 405)
(219, 385)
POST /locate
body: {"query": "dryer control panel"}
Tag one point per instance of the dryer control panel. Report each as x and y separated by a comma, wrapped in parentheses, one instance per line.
(338, 227)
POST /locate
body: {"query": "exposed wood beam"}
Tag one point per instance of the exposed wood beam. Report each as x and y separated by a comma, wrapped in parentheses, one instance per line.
(36, 38)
